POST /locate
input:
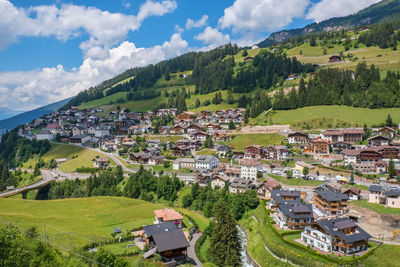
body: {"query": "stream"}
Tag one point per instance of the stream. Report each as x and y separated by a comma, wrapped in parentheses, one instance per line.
(246, 262)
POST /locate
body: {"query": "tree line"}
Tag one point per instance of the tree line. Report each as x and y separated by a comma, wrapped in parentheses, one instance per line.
(15, 149)
(364, 88)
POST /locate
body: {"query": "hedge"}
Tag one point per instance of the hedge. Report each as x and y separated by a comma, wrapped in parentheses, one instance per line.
(198, 245)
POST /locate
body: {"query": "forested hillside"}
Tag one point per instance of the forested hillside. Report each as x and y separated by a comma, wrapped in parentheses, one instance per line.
(383, 11)
(366, 75)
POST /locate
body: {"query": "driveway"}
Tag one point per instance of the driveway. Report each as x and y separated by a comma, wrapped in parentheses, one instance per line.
(191, 253)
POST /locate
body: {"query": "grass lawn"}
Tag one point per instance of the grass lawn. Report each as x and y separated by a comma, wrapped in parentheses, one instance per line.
(201, 221)
(296, 181)
(376, 207)
(241, 141)
(386, 255)
(120, 249)
(350, 115)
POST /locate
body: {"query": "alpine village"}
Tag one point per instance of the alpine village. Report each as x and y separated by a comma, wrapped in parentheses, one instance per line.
(284, 153)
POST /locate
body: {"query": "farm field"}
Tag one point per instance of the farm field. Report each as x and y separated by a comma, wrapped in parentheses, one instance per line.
(351, 115)
(241, 141)
(77, 157)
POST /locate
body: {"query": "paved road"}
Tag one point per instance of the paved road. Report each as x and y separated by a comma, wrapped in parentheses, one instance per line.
(47, 177)
(191, 251)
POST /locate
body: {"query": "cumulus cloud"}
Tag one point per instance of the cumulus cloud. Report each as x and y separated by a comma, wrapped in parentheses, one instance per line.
(105, 52)
(326, 9)
(32, 89)
(262, 15)
(212, 36)
(196, 23)
(68, 21)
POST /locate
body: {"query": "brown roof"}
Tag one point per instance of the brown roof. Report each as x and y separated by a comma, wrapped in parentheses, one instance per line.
(249, 162)
(354, 190)
(351, 152)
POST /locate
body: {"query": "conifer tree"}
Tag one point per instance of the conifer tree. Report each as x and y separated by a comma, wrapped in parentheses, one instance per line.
(225, 246)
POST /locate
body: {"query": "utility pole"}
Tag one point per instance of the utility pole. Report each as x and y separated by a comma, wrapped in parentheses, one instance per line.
(44, 233)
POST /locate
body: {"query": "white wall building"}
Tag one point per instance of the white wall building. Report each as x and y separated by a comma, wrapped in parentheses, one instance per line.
(248, 169)
(206, 163)
(44, 135)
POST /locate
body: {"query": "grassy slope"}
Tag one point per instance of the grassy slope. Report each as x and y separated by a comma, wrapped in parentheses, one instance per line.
(388, 59)
(85, 157)
(241, 141)
(377, 207)
(347, 114)
(77, 221)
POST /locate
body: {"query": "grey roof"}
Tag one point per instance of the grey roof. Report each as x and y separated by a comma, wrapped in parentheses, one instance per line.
(331, 226)
(297, 211)
(329, 195)
(150, 230)
(44, 131)
(204, 159)
(393, 193)
(170, 240)
(276, 196)
(375, 188)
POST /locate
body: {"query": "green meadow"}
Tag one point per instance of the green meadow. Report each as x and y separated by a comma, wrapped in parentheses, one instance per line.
(241, 141)
(76, 157)
(334, 114)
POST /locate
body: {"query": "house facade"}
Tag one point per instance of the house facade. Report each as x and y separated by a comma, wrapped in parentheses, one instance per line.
(336, 235)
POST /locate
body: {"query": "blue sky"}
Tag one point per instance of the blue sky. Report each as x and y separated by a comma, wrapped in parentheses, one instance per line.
(51, 50)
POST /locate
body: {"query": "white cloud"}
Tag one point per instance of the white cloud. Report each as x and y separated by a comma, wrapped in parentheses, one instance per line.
(31, 89)
(262, 15)
(105, 53)
(179, 29)
(196, 24)
(150, 8)
(326, 9)
(68, 21)
(212, 37)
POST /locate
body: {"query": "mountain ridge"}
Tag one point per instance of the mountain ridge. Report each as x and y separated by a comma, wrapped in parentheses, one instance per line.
(28, 116)
(373, 14)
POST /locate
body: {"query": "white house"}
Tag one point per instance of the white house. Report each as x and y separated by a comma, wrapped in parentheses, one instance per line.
(101, 131)
(206, 163)
(248, 169)
(336, 235)
(44, 135)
